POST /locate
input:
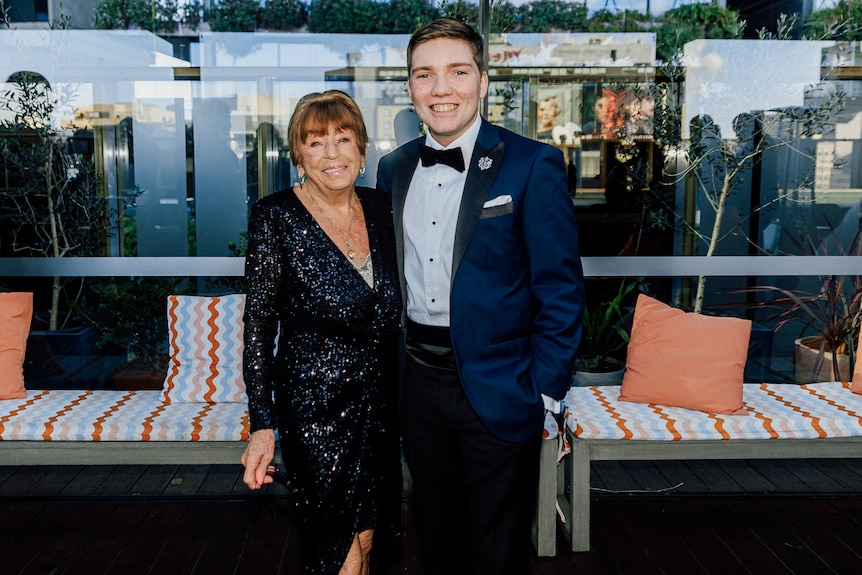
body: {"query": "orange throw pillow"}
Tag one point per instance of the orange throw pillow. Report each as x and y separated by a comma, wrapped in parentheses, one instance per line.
(685, 359)
(16, 313)
(856, 385)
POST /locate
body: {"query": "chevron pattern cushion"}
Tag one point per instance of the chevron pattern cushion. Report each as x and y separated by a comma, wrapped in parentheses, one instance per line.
(205, 338)
(775, 411)
(109, 415)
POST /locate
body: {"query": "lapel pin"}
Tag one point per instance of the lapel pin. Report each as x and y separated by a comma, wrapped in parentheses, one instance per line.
(485, 162)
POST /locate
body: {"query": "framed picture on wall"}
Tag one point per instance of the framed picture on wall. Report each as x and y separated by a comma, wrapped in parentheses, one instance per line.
(557, 113)
(604, 111)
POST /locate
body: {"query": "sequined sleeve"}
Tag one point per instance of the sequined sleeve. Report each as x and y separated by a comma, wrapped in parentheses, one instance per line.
(262, 280)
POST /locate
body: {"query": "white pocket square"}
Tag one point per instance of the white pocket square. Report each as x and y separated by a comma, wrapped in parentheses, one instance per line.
(498, 201)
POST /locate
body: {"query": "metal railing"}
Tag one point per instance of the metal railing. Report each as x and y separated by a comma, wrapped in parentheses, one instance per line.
(616, 266)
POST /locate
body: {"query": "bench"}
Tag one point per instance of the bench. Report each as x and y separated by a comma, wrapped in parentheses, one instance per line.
(787, 421)
(107, 427)
(138, 427)
(199, 416)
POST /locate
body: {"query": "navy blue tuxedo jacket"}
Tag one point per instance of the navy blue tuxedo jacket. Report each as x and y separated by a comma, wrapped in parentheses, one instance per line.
(517, 284)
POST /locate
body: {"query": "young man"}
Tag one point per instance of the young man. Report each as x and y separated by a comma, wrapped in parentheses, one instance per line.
(488, 257)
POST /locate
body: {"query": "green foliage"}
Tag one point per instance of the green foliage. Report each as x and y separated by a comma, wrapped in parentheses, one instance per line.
(616, 21)
(692, 22)
(130, 313)
(460, 10)
(119, 14)
(504, 17)
(833, 314)
(235, 16)
(786, 28)
(606, 328)
(190, 14)
(51, 195)
(345, 16)
(405, 16)
(51, 191)
(842, 22)
(284, 15)
(674, 28)
(508, 94)
(141, 14)
(159, 17)
(4, 15)
(63, 21)
(553, 16)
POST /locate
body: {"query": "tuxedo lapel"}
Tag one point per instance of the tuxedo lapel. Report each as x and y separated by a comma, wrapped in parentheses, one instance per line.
(481, 171)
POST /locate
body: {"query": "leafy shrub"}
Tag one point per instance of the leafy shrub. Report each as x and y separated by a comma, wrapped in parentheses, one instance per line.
(284, 15)
(235, 16)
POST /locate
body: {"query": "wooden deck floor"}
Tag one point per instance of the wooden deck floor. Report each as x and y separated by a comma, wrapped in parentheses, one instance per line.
(759, 517)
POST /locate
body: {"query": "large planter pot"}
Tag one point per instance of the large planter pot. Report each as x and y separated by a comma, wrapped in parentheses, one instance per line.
(66, 359)
(805, 360)
(614, 375)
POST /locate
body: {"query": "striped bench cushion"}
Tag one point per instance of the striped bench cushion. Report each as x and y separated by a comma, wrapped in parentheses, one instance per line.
(206, 342)
(107, 415)
(142, 415)
(777, 411)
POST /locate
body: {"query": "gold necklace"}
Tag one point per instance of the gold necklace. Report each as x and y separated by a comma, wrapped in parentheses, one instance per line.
(351, 253)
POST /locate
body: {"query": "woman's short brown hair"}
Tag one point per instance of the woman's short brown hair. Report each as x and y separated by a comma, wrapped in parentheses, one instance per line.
(317, 112)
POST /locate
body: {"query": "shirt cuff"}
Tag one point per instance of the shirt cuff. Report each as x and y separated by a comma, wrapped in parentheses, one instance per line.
(552, 405)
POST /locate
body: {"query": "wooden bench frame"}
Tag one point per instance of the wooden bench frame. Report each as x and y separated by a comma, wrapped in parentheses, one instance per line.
(24, 453)
(573, 474)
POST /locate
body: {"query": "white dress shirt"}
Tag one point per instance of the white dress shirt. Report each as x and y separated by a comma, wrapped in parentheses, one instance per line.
(430, 216)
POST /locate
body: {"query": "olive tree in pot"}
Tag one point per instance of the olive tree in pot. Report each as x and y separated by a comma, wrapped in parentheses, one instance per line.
(50, 194)
(52, 206)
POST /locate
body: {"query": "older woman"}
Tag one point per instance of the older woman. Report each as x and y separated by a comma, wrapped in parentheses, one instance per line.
(321, 282)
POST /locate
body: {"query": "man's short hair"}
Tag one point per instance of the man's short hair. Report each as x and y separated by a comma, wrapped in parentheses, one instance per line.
(447, 28)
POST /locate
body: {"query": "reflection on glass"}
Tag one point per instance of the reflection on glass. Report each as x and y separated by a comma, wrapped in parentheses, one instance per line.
(192, 155)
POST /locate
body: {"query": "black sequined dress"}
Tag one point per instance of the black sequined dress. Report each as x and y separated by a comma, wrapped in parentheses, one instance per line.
(334, 376)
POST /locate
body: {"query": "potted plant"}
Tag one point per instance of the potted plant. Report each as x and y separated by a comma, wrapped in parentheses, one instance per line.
(830, 323)
(605, 333)
(130, 317)
(830, 316)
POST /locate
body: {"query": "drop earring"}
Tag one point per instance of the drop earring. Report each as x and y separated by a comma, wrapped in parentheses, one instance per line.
(302, 179)
(362, 172)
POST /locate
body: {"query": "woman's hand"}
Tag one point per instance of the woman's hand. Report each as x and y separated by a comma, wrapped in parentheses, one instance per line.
(257, 456)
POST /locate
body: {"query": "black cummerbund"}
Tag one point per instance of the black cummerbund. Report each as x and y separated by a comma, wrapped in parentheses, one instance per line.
(430, 345)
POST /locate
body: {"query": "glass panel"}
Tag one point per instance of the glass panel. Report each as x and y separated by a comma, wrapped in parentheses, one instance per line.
(183, 152)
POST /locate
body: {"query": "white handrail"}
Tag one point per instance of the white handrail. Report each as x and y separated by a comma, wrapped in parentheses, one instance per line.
(617, 266)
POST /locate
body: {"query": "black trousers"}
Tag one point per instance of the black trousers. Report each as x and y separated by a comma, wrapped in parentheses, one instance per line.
(474, 494)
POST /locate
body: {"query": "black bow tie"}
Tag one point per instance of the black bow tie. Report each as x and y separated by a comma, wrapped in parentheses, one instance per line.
(452, 158)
